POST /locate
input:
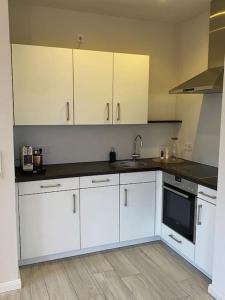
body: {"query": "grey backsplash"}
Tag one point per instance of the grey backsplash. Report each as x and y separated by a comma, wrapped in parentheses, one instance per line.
(68, 144)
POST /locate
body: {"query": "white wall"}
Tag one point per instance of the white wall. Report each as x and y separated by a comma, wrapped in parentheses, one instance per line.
(200, 114)
(8, 238)
(217, 289)
(58, 27)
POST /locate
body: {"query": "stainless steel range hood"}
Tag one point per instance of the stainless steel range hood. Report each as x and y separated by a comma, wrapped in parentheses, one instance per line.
(211, 80)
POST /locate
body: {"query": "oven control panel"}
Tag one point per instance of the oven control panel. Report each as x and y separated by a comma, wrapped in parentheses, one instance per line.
(180, 183)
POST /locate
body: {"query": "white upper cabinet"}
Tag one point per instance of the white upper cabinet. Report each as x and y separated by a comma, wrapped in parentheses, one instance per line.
(93, 75)
(130, 89)
(58, 86)
(42, 85)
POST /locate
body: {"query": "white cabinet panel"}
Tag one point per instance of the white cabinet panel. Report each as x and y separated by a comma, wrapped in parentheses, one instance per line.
(42, 85)
(99, 180)
(137, 177)
(130, 89)
(137, 211)
(205, 236)
(207, 194)
(99, 216)
(93, 72)
(49, 223)
(178, 242)
(50, 185)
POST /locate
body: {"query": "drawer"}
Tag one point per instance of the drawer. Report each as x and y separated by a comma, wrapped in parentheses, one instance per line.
(46, 186)
(207, 194)
(99, 180)
(178, 243)
(137, 177)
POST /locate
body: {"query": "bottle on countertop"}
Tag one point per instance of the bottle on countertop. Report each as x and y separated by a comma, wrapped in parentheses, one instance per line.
(112, 155)
(38, 160)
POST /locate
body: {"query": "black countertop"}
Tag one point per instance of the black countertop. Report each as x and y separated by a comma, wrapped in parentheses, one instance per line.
(198, 173)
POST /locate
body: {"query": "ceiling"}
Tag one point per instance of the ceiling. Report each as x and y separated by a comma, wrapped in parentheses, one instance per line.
(163, 10)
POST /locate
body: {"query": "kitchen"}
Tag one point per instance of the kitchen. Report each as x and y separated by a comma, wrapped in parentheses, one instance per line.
(76, 156)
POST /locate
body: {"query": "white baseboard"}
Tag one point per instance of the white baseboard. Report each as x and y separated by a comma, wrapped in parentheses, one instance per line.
(35, 260)
(10, 286)
(217, 295)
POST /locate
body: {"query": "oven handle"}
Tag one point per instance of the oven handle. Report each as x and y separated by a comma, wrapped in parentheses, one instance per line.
(176, 192)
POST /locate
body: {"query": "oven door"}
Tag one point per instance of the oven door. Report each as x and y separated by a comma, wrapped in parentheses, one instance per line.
(179, 211)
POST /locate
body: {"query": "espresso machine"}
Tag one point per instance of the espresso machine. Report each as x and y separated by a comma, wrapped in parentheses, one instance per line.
(26, 158)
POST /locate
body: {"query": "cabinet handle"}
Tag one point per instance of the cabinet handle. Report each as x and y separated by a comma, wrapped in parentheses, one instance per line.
(108, 111)
(74, 204)
(199, 222)
(99, 181)
(67, 111)
(118, 111)
(125, 200)
(207, 195)
(175, 239)
(50, 186)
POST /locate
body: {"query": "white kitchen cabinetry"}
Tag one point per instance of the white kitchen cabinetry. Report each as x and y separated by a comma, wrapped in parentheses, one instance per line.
(130, 89)
(42, 85)
(137, 211)
(99, 216)
(93, 75)
(205, 227)
(49, 223)
(178, 243)
(58, 86)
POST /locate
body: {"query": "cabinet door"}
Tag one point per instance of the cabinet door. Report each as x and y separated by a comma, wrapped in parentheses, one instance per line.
(42, 85)
(205, 236)
(131, 84)
(137, 211)
(93, 72)
(99, 216)
(49, 223)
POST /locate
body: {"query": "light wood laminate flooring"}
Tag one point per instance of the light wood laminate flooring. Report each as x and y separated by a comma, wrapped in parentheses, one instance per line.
(145, 272)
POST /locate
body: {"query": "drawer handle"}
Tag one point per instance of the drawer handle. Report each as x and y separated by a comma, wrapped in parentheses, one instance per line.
(125, 200)
(199, 222)
(207, 195)
(50, 186)
(74, 204)
(176, 240)
(99, 181)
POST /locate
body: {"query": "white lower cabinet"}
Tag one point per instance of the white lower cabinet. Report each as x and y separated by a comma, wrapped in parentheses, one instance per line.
(49, 223)
(178, 242)
(137, 211)
(205, 236)
(99, 216)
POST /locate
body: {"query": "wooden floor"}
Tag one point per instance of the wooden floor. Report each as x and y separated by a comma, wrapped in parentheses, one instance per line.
(150, 271)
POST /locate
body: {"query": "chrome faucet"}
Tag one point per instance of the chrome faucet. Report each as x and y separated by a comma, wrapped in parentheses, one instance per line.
(137, 153)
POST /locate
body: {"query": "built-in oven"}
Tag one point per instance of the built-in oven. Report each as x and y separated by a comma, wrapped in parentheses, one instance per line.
(179, 205)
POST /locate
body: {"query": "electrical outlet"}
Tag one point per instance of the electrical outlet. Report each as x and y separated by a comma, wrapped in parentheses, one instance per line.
(188, 147)
(80, 38)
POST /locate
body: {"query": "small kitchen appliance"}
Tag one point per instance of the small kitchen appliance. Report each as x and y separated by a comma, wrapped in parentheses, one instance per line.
(26, 158)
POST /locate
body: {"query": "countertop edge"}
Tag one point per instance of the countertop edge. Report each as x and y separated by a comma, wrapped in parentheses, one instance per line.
(25, 177)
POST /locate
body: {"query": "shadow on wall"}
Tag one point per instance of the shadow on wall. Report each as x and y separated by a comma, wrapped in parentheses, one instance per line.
(207, 137)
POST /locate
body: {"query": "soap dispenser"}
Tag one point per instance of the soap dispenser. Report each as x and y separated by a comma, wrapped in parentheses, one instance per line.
(112, 155)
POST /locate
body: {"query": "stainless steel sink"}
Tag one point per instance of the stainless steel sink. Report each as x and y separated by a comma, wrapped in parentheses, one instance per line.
(130, 164)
